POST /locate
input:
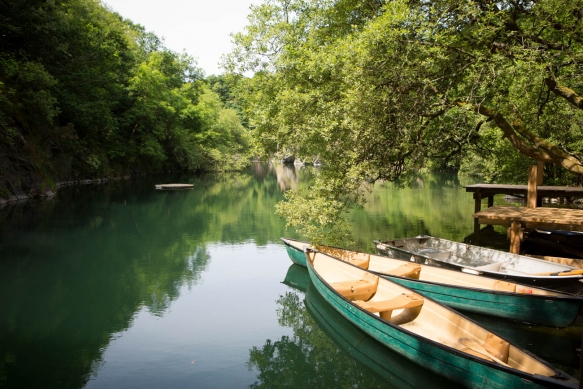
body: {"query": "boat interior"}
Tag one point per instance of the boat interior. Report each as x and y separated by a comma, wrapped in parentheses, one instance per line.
(396, 267)
(410, 311)
(479, 258)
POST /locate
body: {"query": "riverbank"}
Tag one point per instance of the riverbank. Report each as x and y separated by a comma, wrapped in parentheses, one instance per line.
(22, 196)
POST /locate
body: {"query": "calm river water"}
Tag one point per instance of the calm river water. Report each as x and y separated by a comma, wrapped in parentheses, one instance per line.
(122, 286)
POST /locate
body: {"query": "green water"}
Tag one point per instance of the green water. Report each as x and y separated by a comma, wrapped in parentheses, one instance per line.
(122, 286)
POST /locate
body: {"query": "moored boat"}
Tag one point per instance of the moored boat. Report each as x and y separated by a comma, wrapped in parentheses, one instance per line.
(482, 261)
(464, 291)
(396, 370)
(558, 346)
(428, 333)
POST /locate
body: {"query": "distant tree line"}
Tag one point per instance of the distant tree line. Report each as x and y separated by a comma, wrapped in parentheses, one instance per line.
(85, 93)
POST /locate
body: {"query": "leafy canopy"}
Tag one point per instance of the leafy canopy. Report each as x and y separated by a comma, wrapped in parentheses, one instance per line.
(85, 93)
(379, 89)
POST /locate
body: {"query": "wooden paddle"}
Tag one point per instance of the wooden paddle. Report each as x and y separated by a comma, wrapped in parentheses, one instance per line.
(565, 273)
(473, 345)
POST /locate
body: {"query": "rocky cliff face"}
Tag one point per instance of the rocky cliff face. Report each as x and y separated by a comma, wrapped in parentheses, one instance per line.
(19, 176)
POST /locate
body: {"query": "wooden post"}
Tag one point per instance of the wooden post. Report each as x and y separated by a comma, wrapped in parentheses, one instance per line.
(515, 237)
(490, 201)
(532, 183)
(539, 179)
(581, 365)
(477, 208)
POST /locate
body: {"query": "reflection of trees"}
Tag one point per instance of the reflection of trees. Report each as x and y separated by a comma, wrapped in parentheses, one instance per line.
(77, 280)
(436, 204)
(287, 177)
(74, 271)
(308, 358)
(327, 351)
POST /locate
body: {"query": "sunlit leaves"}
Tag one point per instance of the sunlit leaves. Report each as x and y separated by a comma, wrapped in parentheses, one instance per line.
(376, 89)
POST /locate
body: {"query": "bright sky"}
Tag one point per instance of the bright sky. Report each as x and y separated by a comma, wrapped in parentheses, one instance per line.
(199, 27)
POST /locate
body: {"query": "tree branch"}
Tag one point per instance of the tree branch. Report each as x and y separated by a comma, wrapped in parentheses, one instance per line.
(541, 150)
(562, 91)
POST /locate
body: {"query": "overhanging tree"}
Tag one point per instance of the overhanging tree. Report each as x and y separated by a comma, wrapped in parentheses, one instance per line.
(381, 88)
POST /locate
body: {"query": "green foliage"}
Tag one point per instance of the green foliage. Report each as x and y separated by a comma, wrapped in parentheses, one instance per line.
(85, 93)
(381, 89)
(495, 160)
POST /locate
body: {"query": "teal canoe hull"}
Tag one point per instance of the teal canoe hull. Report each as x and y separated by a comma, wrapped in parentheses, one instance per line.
(545, 310)
(537, 309)
(456, 366)
(297, 256)
(297, 277)
(397, 371)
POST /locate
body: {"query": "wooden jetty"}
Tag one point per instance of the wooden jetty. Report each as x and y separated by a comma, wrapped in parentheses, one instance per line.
(519, 218)
(174, 186)
(530, 216)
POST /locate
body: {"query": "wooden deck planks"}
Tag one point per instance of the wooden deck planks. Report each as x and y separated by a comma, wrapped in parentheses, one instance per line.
(556, 191)
(545, 217)
(488, 191)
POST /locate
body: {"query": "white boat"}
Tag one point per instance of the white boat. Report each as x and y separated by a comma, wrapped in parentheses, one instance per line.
(482, 261)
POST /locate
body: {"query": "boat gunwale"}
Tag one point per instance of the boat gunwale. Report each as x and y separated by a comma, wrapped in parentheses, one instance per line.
(486, 272)
(563, 296)
(560, 295)
(287, 240)
(467, 244)
(560, 376)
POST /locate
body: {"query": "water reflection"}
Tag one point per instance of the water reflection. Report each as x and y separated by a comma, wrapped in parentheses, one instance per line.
(84, 268)
(436, 204)
(75, 271)
(287, 175)
(327, 351)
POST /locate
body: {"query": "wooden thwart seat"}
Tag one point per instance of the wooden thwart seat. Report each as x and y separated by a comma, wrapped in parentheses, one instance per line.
(494, 348)
(408, 270)
(498, 347)
(411, 303)
(361, 260)
(505, 286)
(362, 289)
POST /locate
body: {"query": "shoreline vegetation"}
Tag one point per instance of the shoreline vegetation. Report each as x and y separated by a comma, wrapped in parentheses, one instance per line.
(87, 94)
(20, 197)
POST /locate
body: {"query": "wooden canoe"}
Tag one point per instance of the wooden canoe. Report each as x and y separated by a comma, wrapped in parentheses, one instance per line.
(428, 333)
(463, 291)
(554, 345)
(481, 261)
(396, 370)
(557, 346)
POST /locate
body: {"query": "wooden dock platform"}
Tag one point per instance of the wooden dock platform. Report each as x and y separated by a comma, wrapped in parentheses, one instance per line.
(520, 218)
(531, 216)
(174, 186)
(545, 217)
(488, 191)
